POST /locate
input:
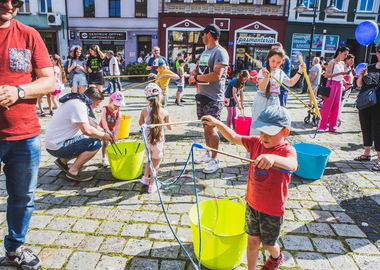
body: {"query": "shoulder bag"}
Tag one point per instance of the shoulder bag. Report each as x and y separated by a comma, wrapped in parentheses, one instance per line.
(367, 98)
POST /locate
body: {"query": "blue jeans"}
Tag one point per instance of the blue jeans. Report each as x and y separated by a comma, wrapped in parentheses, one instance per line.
(21, 162)
(283, 98)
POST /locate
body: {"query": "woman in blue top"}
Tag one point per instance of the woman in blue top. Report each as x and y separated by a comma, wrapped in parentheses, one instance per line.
(234, 89)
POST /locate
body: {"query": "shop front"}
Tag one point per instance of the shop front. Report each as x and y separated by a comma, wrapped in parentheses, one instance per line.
(114, 41)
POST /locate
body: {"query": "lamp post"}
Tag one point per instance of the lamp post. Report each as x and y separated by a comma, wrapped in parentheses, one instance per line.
(300, 8)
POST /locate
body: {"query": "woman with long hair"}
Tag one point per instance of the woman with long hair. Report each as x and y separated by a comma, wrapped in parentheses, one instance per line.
(78, 69)
(95, 67)
(335, 76)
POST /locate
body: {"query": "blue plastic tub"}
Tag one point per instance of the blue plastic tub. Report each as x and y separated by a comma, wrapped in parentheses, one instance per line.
(312, 160)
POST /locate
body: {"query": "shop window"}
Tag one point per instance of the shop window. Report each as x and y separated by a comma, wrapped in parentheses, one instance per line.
(89, 8)
(245, 1)
(366, 5)
(45, 6)
(270, 2)
(114, 8)
(25, 8)
(141, 7)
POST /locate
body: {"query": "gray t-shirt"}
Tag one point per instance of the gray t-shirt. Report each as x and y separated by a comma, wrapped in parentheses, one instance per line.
(317, 68)
(208, 60)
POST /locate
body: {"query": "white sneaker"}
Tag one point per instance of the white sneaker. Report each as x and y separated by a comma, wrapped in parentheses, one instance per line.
(212, 166)
(153, 188)
(145, 180)
(204, 159)
(105, 162)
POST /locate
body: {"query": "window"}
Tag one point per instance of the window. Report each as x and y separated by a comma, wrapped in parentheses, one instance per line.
(338, 4)
(141, 8)
(270, 2)
(25, 8)
(245, 1)
(222, 1)
(173, 1)
(200, 1)
(309, 3)
(114, 8)
(366, 5)
(45, 6)
(89, 8)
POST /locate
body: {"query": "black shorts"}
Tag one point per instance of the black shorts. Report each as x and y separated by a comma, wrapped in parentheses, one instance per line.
(207, 106)
(267, 227)
(96, 78)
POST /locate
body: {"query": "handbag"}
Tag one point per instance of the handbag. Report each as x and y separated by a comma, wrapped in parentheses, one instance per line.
(324, 91)
(366, 99)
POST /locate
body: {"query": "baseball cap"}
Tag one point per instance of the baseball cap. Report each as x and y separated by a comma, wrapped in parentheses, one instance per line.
(157, 63)
(152, 89)
(272, 120)
(213, 29)
(118, 98)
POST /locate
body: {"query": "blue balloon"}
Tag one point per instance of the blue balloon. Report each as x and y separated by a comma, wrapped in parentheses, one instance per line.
(366, 32)
(360, 67)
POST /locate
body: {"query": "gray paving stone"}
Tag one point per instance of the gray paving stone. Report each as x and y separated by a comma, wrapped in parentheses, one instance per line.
(185, 220)
(289, 260)
(310, 205)
(85, 225)
(140, 263)
(171, 265)
(75, 200)
(119, 215)
(309, 260)
(295, 227)
(139, 247)
(330, 206)
(143, 216)
(112, 245)
(179, 208)
(160, 232)
(348, 230)
(342, 217)
(91, 243)
(110, 228)
(320, 229)
(329, 245)
(184, 234)
(57, 210)
(363, 246)
(97, 213)
(69, 239)
(341, 262)
(41, 237)
(83, 261)
(129, 204)
(173, 219)
(61, 224)
(294, 242)
(289, 215)
(134, 230)
(54, 257)
(76, 211)
(323, 216)
(303, 215)
(165, 250)
(112, 263)
(54, 199)
(39, 222)
(367, 262)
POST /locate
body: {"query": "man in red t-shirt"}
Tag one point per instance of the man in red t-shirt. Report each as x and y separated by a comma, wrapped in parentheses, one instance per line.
(267, 188)
(26, 74)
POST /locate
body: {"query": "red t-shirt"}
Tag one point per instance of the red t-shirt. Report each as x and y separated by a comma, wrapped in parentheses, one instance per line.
(21, 49)
(111, 118)
(267, 190)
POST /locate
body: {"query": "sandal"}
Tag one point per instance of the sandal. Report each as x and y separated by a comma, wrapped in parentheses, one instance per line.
(376, 167)
(363, 158)
(43, 114)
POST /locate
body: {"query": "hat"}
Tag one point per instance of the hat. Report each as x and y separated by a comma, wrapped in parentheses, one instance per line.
(158, 62)
(180, 61)
(213, 29)
(152, 89)
(272, 120)
(118, 98)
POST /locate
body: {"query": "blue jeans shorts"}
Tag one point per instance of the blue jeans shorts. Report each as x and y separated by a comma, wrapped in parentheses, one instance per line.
(79, 79)
(180, 87)
(72, 148)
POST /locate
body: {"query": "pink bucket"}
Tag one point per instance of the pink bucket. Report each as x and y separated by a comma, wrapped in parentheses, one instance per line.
(243, 125)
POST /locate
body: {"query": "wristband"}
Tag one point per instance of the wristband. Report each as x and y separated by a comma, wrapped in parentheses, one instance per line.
(299, 73)
(196, 77)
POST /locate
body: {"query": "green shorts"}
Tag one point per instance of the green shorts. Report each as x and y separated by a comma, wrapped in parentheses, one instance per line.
(267, 227)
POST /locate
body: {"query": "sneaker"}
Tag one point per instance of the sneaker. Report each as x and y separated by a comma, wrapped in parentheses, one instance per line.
(23, 257)
(145, 180)
(153, 188)
(61, 165)
(79, 178)
(206, 158)
(182, 100)
(272, 264)
(212, 166)
(105, 162)
(180, 104)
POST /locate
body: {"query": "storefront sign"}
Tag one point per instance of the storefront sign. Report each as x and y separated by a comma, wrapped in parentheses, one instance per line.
(331, 43)
(302, 42)
(103, 35)
(266, 39)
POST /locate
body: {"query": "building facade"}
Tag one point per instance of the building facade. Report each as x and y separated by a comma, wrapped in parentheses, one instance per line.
(331, 30)
(125, 26)
(248, 26)
(49, 18)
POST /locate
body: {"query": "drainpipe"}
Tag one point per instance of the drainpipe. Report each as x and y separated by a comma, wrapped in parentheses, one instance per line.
(67, 25)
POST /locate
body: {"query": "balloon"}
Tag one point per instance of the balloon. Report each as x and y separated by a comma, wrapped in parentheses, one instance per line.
(253, 74)
(360, 67)
(366, 32)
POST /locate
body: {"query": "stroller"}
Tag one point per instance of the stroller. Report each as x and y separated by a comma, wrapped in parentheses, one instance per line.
(312, 118)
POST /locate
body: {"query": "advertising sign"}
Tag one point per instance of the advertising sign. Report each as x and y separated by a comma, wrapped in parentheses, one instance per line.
(103, 35)
(302, 42)
(266, 39)
(331, 43)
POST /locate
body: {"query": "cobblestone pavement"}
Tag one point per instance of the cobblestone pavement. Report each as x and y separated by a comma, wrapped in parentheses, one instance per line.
(330, 223)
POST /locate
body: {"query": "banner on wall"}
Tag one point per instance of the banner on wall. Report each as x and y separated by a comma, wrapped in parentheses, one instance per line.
(320, 42)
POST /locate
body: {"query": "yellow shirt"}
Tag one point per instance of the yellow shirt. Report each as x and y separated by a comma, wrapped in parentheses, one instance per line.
(164, 82)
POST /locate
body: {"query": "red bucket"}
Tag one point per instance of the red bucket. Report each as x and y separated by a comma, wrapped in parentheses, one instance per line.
(243, 125)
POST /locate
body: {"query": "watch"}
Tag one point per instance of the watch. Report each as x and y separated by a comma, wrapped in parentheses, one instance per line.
(299, 73)
(21, 92)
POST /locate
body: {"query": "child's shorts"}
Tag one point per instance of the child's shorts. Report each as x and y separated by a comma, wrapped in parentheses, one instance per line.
(56, 92)
(157, 151)
(267, 227)
(180, 87)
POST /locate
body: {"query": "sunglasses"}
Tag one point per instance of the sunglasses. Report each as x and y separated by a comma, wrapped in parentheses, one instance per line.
(15, 3)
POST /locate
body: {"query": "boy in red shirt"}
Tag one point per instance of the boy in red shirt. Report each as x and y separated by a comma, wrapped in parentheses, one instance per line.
(267, 188)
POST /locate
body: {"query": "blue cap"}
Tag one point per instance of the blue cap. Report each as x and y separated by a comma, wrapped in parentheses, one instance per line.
(272, 120)
(158, 62)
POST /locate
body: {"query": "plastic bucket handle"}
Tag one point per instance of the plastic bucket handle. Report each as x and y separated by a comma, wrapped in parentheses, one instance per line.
(237, 197)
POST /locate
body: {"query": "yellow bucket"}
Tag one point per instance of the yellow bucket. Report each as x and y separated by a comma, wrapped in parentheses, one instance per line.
(224, 241)
(128, 165)
(125, 126)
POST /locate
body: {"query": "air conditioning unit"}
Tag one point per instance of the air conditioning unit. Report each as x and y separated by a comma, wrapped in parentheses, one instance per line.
(54, 19)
